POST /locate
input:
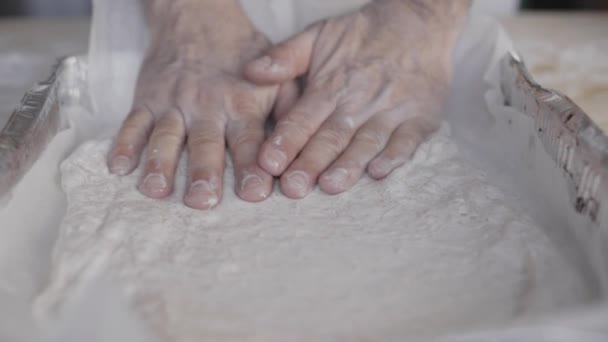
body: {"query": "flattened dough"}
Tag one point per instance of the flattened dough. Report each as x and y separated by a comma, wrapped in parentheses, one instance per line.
(434, 248)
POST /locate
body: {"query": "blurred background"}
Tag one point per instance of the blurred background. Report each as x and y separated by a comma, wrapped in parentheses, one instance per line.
(83, 7)
(45, 7)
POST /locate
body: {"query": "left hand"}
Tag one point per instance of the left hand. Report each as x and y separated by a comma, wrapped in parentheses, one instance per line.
(375, 83)
(191, 94)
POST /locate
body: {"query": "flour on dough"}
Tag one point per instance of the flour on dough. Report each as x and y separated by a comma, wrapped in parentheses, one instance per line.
(434, 248)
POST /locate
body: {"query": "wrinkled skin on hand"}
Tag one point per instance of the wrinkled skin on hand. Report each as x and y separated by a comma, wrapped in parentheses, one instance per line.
(191, 93)
(375, 83)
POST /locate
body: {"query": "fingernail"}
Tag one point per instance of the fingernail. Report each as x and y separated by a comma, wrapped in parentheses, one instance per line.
(277, 141)
(120, 165)
(268, 64)
(252, 188)
(336, 178)
(155, 184)
(264, 62)
(275, 159)
(201, 195)
(380, 168)
(298, 184)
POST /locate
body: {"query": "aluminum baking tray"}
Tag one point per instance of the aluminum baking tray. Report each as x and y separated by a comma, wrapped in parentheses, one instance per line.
(575, 142)
(37, 119)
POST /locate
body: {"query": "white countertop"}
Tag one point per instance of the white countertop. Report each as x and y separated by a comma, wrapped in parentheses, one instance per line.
(567, 52)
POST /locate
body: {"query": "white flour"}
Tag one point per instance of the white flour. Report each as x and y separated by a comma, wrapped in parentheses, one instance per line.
(435, 248)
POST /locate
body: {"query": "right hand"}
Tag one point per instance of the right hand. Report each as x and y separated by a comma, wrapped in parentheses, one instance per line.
(375, 81)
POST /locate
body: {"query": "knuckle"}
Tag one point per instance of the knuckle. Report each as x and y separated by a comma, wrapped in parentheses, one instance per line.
(405, 136)
(328, 86)
(372, 137)
(205, 137)
(138, 119)
(351, 101)
(295, 126)
(339, 129)
(130, 134)
(339, 124)
(130, 126)
(206, 94)
(246, 138)
(166, 137)
(333, 140)
(172, 122)
(140, 113)
(244, 154)
(398, 149)
(245, 103)
(168, 132)
(207, 125)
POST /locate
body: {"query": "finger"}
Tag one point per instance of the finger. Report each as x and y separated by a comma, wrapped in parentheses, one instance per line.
(323, 148)
(130, 142)
(401, 147)
(162, 155)
(206, 149)
(287, 97)
(286, 61)
(293, 132)
(367, 143)
(244, 140)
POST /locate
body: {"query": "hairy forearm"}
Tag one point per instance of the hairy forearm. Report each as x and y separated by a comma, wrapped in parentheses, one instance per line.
(194, 20)
(440, 20)
(186, 13)
(444, 7)
(183, 26)
(447, 11)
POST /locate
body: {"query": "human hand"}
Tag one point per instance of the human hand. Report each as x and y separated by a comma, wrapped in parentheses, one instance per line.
(191, 92)
(375, 83)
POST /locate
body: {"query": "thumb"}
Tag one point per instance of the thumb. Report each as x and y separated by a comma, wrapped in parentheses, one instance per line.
(284, 62)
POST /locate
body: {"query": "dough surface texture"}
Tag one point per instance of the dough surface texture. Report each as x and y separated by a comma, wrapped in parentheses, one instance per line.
(434, 248)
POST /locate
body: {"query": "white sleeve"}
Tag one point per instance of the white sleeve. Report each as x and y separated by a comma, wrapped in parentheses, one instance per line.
(118, 41)
(280, 19)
